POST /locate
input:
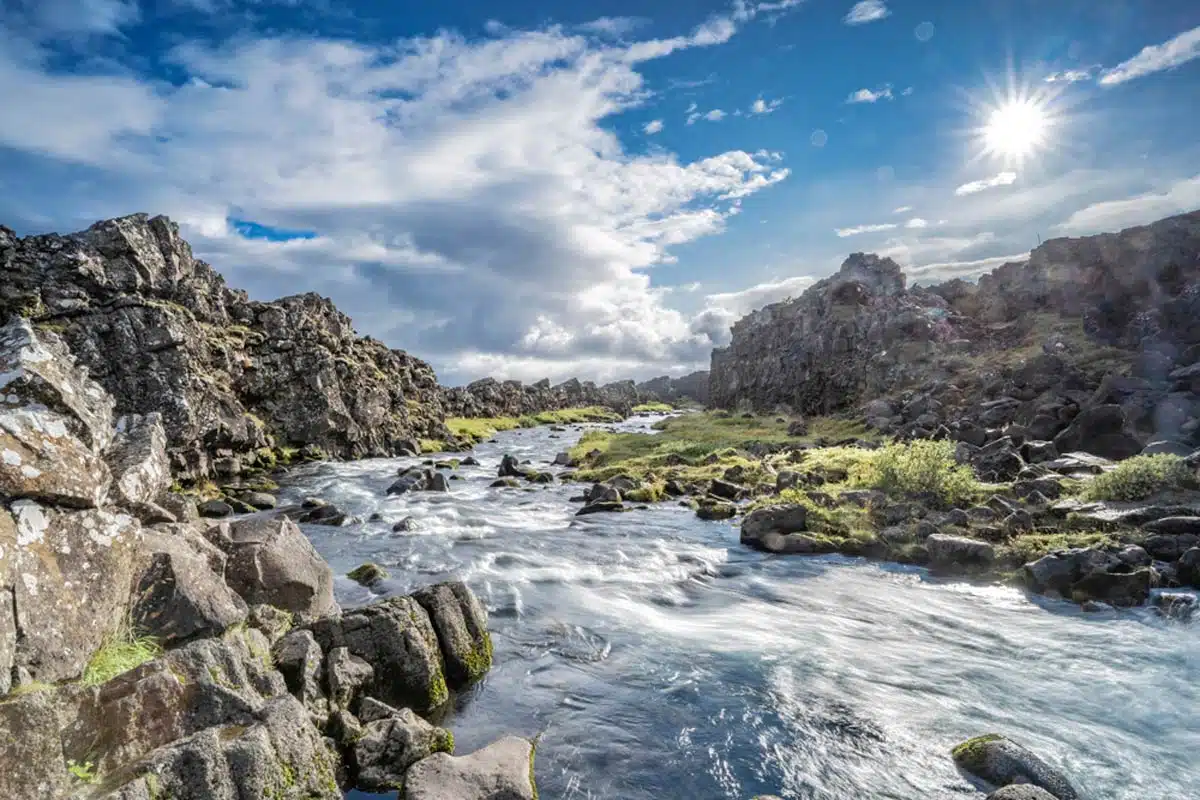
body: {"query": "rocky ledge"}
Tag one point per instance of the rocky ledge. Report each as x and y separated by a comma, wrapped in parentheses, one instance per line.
(237, 383)
(490, 398)
(145, 656)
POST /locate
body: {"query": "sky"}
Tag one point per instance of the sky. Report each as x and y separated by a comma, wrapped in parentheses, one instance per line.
(539, 189)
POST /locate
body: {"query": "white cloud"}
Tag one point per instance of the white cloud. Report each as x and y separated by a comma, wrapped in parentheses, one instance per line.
(613, 26)
(967, 270)
(866, 11)
(1113, 215)
(907, 91)
(469, 196)
(1071, 75)
(1156, 58)
(910, 249)
(999, 179)
(902, 210)
(861, 229)
(716, 115)
(722, 310)
(761, 106)
(869, 96)
(916, 222)
(652, 127)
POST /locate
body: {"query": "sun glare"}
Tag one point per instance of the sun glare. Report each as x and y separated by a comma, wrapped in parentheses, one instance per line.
(1016, 129)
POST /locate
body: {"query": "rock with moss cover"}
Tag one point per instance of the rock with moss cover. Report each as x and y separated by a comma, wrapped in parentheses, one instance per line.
(271, 561)
(397, 639)
(387, 747)
(715, 509)
(369, 575)
(346, 674)
(461, 625)
(501, 771)
(1001, 761)
(71, 572)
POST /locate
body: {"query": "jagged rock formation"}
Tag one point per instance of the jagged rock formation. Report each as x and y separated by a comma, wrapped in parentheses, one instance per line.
(265, 688)
(492, 398)
(163, 334)
(1111, 320)
(691, 387)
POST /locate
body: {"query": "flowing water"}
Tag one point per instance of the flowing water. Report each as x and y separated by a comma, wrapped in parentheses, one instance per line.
(657, 658)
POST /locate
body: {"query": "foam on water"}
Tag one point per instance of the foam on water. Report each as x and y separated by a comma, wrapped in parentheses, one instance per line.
(660, 659)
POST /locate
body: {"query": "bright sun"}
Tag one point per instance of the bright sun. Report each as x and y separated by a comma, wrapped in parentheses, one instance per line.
(1015, 129)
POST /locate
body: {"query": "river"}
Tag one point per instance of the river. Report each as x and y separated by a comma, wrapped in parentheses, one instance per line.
(657, 658)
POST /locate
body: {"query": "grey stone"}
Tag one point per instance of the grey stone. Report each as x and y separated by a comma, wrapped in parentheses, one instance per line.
(1001, 761)
(501, 771)
(460, 622)
(299, 659)
(389, 746)
(954, 552)
(782, 519)
(271, 561)
(346, 675)
(138, 459)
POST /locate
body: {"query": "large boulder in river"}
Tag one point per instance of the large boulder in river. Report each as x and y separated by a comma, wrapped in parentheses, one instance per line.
(68, 584)
(1020, 791)
(396, 638)
(1001, 761)
(271, 561)
(501, 771)
(461, 625)
(781, 519)
(948, 552)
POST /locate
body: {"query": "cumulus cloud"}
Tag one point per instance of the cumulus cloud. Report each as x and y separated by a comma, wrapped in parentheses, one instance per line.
(716, 115)
(866, 11)
(1113, 215)
(468, 199)
(760, 106)
(871, 95)
(653, 126)
(966, 270)
(916, 222)
(722, 310)
(1155, 58)
(902, 210)
(858, 230)
(974, 187)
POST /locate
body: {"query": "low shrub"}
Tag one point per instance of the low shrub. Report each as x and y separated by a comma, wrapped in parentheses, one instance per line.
(923, 466)
(1140, 477)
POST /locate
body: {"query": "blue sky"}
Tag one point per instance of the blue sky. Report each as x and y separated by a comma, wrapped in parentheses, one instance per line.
(554, 189)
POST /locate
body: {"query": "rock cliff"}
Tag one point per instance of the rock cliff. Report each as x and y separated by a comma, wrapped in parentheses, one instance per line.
(692, 387)
(1102, 320)
(231, 377)
(492, 398)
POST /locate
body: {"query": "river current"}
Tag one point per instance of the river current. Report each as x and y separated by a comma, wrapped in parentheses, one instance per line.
(657, 658)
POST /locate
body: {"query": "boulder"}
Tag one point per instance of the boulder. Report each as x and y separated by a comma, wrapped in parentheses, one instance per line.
(180, 506)
(324, 514)
(1001, 761)
(1168, 546)
(71, 573)
(726, 490)
(36, 370)
(1116, 587)
(368, 575)
(32, 759)
(395, 637)
(955, 552)
(461, 626)
(346, 674)
(599, 507)
(138, 460)
(271, 561)
(259, 500)
(782, 519)
(792, 544)
(995, 462)
(710, 509)
(1174, 526)
(214, 509)
(501, 771)
(1188, 567)
(510, 467)
(388, 747)
(1166, 447)
(1020, 791)
(405, 525)
(299, 659)
(1099, 430)
(178, 596)
(42, 459)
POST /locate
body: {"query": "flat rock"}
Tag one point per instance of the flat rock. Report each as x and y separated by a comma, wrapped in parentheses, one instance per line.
(949, 552)
(501, 771)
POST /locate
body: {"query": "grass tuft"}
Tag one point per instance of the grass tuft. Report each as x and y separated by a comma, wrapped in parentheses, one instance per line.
(1140, 477)
(122, 652)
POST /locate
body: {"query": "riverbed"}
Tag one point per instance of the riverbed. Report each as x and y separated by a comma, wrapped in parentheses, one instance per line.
(656, 657)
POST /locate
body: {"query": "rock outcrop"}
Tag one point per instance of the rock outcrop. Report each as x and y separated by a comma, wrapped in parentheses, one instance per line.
(1103, 329)
(692, 387)
(492, 398)
(230, 377)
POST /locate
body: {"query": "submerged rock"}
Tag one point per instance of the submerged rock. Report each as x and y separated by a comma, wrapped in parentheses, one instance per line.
(1001, 761)
(368, 574)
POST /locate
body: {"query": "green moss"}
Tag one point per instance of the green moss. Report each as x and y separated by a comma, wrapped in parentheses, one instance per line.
(432, 446)
(653, 408)
(480, 429)
(120, 653)
(478, 660)
(84, 773)
(439, 693)
(443, 741)
(367, 574)
(1032, 546)
(650, 492)
(1140, 477)
(971, 755)
(532, 778)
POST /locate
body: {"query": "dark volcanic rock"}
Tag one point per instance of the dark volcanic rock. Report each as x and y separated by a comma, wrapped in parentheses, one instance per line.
(162, 333)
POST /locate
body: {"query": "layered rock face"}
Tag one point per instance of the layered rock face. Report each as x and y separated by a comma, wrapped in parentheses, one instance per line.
(691, 387)
(162, 333)
(1110, 320)
(492, 398)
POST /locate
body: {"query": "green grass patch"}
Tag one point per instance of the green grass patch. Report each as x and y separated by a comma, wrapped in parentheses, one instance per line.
(120, 653)
(1140, 477)
(480, 429)
(432, 446)
(575, 416)
(653, 408)
(845, 526)
(1032, 546)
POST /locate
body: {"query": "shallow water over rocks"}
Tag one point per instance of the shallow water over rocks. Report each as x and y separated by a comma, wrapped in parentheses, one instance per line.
(658, 658)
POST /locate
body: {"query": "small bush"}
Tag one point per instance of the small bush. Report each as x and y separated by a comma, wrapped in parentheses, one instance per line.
(653, 408)
(919, 467)
(1140, 477)
(122, 652)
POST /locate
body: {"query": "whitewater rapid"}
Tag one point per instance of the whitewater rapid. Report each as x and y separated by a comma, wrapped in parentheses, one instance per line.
(657, 658)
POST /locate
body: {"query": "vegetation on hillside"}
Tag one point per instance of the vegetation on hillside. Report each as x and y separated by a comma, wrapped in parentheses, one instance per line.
(479, 429)
(653, 408)
(1141, 477)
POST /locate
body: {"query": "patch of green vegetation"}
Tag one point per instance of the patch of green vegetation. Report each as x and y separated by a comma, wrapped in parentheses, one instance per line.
(443, 741)
(121, 652)
(575, 416)
(1032, 546)
(1140, 477)
(653, 408)
(367, 574)
(480, 429)
(923, 466)
(845, 527)
(51, 327)
(84, 773)
(652, 491)
(432, 446)
(478, 660)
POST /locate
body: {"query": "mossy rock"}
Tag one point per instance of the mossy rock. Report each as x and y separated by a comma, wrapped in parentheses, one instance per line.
(368, 574)
(715, 510)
